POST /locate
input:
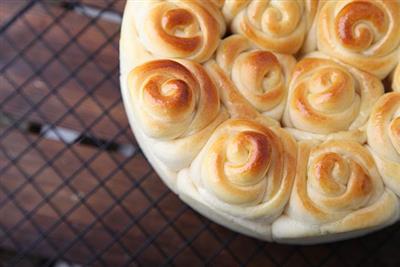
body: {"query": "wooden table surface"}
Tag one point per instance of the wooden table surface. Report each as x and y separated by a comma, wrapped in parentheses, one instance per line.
(73, 183)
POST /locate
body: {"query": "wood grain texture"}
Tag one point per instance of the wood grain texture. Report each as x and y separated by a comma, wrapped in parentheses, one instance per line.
(115, 5)
(73, 173)
(63, 81)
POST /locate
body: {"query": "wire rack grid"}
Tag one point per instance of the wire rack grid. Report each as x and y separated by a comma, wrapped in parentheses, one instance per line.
(75, 189)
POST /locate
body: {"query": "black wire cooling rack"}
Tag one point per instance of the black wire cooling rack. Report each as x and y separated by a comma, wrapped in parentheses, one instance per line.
(75, 189)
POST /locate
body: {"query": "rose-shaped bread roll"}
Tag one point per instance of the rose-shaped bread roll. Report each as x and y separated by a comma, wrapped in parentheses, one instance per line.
(362, 33)
(396, 79)
(261, 77)
(279, 26)
(384, 138)
(179, 28)
(329, 100)
(176, 106)
(337, 193)
(233, 100)
(244, 172)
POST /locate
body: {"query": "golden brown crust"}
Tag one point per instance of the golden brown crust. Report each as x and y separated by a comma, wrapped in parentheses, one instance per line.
(260, 76)
(174, 100)
(246, 169)
(337, 186)
(329, 100)
(364, 34)
(348, 18)
(279, 26)
(179, 29)
(384, 138)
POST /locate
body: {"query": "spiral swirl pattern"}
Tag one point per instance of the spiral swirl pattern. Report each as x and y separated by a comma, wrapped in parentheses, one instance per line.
(180, 29)
(262, 77)
(361, 33)
(338, 187)
(280, 26)
(327, 98)
(175, 100)
(246, 169)
(384, 138)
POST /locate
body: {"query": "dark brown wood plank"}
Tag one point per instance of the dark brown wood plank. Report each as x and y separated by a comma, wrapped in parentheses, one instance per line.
(11, 9)
(116, 5)
(57, 174)
(80, 102)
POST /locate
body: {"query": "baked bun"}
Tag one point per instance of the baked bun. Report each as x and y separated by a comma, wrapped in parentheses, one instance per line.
(235, 103)
(337, 193)
(176, 106)
(261, 76)
(384, 138)
(245, 171)
(179, 28)
(279, 26)
(396, 79)
(329, 100)
(365, 34)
